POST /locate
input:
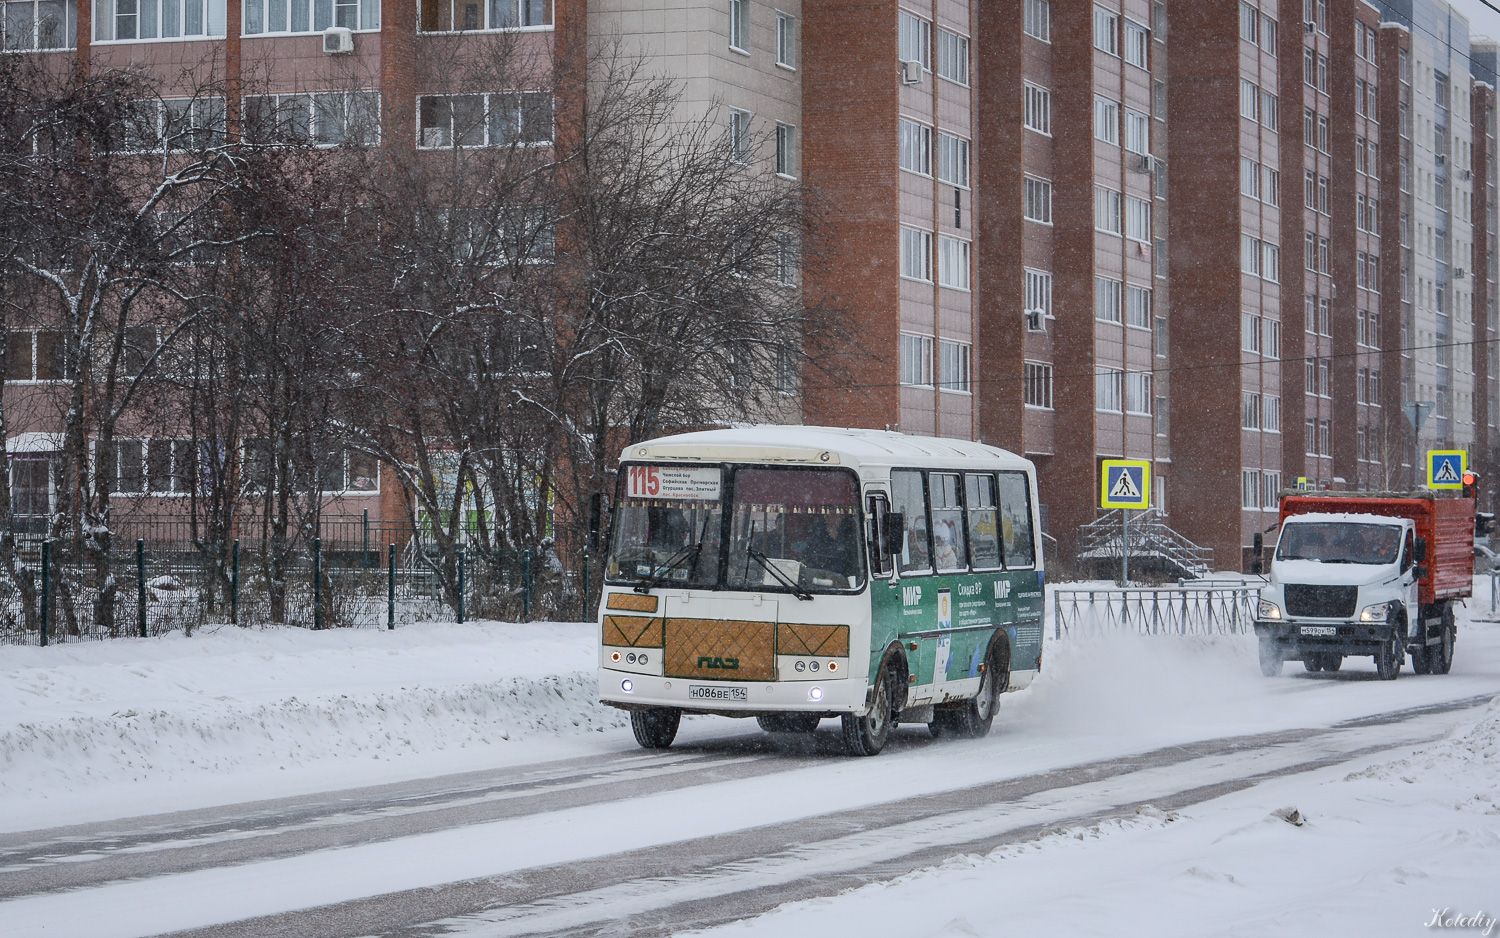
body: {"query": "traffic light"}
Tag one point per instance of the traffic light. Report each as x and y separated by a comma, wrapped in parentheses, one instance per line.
(1471, 483)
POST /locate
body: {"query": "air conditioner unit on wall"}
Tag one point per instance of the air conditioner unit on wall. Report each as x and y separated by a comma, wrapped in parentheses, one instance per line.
(1440, 159)
(1312, 27)
(337, 40)
(911, 72)
(1036, 321)
(1458, 273)
(1143, 163)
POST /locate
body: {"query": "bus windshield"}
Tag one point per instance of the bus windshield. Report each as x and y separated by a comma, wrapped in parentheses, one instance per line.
(1340, 542)
(790, 530)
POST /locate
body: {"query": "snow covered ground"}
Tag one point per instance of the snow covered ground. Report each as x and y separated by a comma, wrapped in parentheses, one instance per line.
(104, 730)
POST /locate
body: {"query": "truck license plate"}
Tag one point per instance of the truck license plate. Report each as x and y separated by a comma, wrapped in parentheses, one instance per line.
(709, 692)
(1319, 630)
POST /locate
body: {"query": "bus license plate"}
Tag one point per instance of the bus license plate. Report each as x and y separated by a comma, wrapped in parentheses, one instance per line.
(1319, 630)
(707, 692)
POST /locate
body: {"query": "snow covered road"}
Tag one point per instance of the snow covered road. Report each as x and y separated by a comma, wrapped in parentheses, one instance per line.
(503, 802)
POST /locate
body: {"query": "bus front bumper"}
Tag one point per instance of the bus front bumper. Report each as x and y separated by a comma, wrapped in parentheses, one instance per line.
(731, 698)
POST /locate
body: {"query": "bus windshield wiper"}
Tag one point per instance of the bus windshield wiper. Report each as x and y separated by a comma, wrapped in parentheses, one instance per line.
(657, 577)
(776, 573)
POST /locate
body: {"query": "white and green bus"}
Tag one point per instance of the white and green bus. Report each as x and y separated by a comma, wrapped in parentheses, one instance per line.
(797, 573)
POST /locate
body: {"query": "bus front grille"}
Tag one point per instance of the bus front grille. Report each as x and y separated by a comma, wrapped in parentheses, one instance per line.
(720, 649)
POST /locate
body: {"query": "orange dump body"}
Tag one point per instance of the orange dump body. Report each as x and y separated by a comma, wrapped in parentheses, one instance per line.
(1447, 524)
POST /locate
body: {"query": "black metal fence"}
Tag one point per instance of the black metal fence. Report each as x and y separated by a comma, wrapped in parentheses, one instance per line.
(352, 574)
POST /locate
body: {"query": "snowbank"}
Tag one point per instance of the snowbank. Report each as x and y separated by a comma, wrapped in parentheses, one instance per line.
(222, 714)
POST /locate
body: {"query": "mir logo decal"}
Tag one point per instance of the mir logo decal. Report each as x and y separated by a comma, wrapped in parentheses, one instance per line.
(1002, 589)
(911, 595)
(726, 664)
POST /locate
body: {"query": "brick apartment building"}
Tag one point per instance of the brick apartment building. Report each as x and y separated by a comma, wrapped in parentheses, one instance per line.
(1022, 257)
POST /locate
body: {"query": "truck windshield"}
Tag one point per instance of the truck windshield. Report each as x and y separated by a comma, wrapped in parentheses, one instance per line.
(1340, 542)
(790, 530)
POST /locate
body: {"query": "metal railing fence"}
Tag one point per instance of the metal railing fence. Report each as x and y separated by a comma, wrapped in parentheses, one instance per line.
(1202, 609)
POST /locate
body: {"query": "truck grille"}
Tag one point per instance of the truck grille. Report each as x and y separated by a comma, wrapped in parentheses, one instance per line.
(1329, 602)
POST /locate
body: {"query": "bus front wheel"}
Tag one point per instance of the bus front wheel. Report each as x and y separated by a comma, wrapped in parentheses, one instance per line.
(655, 728)
(866, 734)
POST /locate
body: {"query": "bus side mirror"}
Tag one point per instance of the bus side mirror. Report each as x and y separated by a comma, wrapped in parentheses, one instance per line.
(897, 526)
(880, 538)
(1420, 553)
(1421, 573)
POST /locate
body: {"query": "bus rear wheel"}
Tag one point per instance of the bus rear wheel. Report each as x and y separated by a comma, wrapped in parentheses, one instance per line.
(973, 718)
(866, 734)
(655, 728)
(789, 722)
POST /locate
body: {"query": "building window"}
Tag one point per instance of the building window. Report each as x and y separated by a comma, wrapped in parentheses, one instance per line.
(952, 57)
(1270, 186)
(1324, 135)
(484, 120)
(916, 40)
(1270, 345)
(1323, 255)
(916, 147)
(1159, 337)
(1249, 23)
(1137, 44)
(1038, 109)
(1106, 31)
(1249, 178)
(1038, 22)
(1138, 307)
(916, 254)
(1039, 385)
(739, 25)
(1249, 332)
(1311, 446)
(1250, 255)
(1249, 100)
(916, 360)
(1159, 99)
(1250, 489)
(36, 355)
(1249, 410)
(1268, 34)
(1325, 378)
(1271, 483)
(1038, 290)
(324, 118)
(1138, 394)
(164, 19)
(1269, 111)
(1323, 73)
(953, 263)
(1325, 437)
(1038, 200)
(739, 135)
(1106, 120)
(1325, 200)
(1107, 299)
(1107, 210)
(1270, 263)
(1137, 219)
(786, 260)
(786, 150)
(1325, 309)
(175, 125)
(953, 160)
(1270, 414)
(1109, 390)
(443, 15)
(953, 364)
(1137, 132)
(786, 40)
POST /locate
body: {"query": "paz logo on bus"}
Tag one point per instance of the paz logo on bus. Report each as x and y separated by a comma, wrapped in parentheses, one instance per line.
(911, 595)
(725, 664)
(1125, 483)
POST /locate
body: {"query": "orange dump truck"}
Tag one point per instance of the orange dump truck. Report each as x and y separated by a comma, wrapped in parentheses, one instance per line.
(1362, 574)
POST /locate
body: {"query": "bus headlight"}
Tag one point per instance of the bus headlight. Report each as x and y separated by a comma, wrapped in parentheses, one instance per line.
(1376, 613)
(1269, 610)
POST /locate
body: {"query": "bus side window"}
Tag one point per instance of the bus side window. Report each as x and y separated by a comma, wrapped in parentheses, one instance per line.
(947, 522)
(913, 555)
(1015, 520)
(979, 494)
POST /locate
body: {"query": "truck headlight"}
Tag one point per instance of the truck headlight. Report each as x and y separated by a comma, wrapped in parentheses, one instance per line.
(1269, 610)
(1377, 613)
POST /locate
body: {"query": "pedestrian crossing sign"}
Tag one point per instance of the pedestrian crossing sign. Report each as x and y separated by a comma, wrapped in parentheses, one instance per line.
(1445, 468)
(1125, 483)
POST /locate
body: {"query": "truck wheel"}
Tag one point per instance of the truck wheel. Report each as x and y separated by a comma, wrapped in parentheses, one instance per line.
(1313, 663)
(789, 722)
(655, 728)
(866, 734)
(1388, 658)
(1332, 661)
(1441, 654)
(1270, 659)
